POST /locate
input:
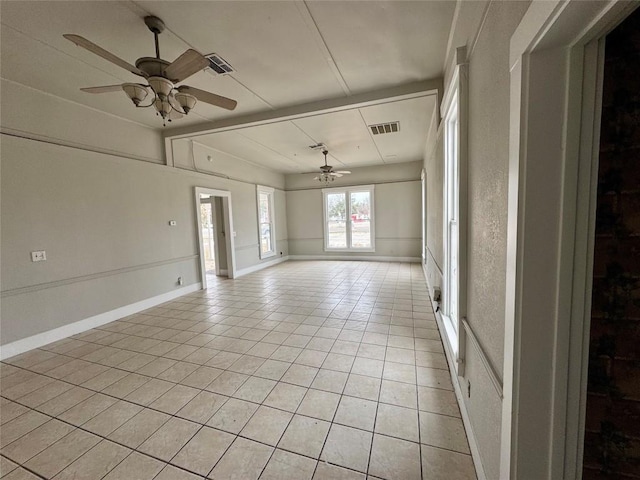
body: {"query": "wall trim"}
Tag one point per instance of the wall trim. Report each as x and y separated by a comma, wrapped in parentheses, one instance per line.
(433, 259)
(12, 132)
(93, 276)
(249, 247)
(497, 383)
(261, 266)
(354, 184)
(44, 338)
(451, 359)
(369, 258)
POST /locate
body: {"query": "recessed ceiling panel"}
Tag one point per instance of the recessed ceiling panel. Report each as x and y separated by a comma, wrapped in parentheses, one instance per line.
(111, 25)
(377, 44)
(286, 139)
(414, 117)
(345, 134)
(237, 145)
(44, 59)
(267, 43)
(34, 53)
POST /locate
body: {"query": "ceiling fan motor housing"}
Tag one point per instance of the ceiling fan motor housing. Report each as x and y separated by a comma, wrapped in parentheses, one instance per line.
(154, 67)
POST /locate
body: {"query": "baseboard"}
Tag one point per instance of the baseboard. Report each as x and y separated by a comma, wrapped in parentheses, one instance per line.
(473, 444)
(260, 266)
(44, 338)
(368, 258)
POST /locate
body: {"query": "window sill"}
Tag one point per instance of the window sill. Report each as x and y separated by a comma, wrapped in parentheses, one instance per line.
(451, 334)
(350, 250)
(267, 255)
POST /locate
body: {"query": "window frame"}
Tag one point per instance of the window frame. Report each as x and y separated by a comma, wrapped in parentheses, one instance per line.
(347, 191)
(270, 192)
(455, 112)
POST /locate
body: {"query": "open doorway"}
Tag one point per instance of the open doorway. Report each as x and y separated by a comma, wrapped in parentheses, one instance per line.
(215, 234)
(613, 387)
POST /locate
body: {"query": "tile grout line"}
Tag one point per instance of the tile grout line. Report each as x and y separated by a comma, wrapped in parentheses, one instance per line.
(350, 300)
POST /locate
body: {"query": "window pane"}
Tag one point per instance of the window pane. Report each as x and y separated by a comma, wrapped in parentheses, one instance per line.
(360, 220)
(265, 237)
(336, 206)
(265, 214)
(336, 220)
(337, 234)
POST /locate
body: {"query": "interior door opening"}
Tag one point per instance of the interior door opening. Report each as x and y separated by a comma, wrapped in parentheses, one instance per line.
(208, 237)
(612, 390)
(215, 235)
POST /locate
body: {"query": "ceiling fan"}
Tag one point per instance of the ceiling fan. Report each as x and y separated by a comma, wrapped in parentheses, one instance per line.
(327, 173)
(170, 101)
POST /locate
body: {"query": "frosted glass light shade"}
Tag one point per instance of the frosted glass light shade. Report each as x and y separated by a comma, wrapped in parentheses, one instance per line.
(161, 86)
(136, 92)
(186, 101)
(162, 107)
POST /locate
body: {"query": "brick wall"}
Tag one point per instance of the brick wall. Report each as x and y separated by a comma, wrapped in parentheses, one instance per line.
(612, 437)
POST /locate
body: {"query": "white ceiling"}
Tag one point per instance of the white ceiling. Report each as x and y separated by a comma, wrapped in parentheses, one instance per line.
(285, 53)
(285, 145)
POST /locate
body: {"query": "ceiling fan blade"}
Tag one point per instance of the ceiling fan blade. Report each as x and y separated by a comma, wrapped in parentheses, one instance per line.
(208, 97)
(335, 174)
(105, 89)
(93, 48)
(343, 172)
(185, 65)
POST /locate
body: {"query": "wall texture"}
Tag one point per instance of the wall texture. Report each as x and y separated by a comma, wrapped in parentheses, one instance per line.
(485, 28)
(397, 211)
(90, 190)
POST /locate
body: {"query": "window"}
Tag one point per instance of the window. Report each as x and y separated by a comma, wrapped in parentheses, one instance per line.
(455, 107)
(451, 207)
(266, 222)
(348, 219)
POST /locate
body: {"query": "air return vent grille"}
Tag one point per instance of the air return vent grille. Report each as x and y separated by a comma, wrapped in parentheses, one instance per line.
(218, 65)
(382, 128)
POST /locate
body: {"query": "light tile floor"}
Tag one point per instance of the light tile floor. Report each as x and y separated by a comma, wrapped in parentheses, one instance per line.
(307, 370)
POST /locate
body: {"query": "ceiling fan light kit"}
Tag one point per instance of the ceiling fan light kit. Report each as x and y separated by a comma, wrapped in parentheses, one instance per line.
(168, 100)
(327, 173)
(136, 92)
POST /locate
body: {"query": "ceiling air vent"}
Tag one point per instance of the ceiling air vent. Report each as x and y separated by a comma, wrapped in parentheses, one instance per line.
(218, 65)
(381, 128)
(318, 146)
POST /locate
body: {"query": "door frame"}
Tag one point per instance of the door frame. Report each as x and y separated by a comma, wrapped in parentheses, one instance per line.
(216, 254)
(556, 61)
(228, 226)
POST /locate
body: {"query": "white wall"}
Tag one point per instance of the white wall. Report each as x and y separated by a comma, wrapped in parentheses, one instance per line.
(485, 29)
(89, 189)
(434, 174)
(397, 211)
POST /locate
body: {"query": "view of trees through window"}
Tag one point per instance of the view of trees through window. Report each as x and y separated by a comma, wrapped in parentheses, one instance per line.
(353, 231)
(208, 238)
(265, 223)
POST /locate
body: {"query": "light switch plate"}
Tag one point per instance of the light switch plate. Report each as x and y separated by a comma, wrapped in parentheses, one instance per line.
(38, 256)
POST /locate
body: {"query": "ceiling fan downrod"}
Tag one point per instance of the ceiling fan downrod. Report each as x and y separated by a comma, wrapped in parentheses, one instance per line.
(156, 25)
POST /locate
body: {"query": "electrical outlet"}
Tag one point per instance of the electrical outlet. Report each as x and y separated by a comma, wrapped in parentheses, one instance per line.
(180, 282)
(38, 256)
(172, 223)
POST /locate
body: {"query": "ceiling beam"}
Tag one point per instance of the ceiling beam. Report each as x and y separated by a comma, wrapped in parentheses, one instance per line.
(387, 95)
